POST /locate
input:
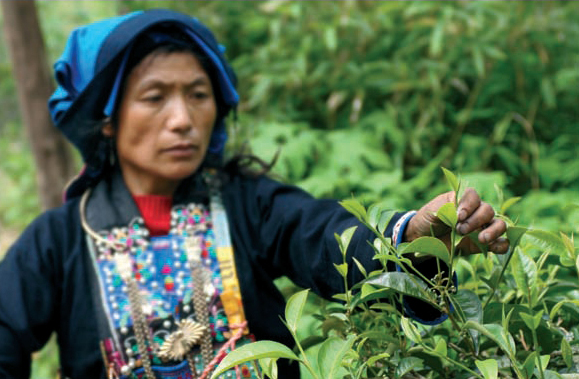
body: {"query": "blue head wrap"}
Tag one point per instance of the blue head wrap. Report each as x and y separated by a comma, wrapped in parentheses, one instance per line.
(90, 72)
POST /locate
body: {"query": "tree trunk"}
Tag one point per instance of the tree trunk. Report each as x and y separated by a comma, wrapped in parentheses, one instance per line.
(52, 153)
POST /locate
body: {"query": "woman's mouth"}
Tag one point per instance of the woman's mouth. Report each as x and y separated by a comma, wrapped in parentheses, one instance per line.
(181, 150)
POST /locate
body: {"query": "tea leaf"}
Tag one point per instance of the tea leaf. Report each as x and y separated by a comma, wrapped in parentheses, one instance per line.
(468, 304)
(558, 306)
(447, 214)
(514, 234)
(495, 333)
(401, 283)
(375, 358)
(567, 352)
(360, 267)
(451, 179)
(342, 269)
(428, 246)
(549, 240)
(509, 203)
(544, 361)
(256, 350)
(331, 353)
(441, 347)
(529, 364)
(269, 367)
(374, 214)
(294, 308)
(408, 364)
(489, 368)
(410, 330)
(385, 218)
(346, 237)
(532, 322)
(354, 207)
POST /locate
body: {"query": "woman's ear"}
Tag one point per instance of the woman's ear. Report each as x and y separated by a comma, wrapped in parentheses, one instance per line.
(108, 130)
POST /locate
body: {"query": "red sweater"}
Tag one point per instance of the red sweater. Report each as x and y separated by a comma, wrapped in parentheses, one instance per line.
(156, 211)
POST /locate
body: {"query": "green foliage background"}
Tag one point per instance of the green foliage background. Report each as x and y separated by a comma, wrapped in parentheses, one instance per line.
(371, 98)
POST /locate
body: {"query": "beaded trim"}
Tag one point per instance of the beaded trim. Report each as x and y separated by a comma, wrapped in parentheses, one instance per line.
(126, 260)
(400, 228)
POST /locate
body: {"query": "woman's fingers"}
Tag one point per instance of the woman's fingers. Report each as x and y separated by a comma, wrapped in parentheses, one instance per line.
(499, 246)
(469, 202)
(484, 214)
(492, 232)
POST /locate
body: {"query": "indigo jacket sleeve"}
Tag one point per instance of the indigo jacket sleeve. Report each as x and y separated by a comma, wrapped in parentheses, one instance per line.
(295, 234)
(28, 294)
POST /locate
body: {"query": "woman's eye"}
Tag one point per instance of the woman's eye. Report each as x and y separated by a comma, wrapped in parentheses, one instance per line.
(200, 95)
(153, 98)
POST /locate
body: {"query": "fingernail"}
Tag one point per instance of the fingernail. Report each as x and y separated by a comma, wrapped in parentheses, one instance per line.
(461, 214)
(461, 229)
(484, 237)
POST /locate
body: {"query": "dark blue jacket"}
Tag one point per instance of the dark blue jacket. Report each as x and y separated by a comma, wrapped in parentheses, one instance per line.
(276, 230)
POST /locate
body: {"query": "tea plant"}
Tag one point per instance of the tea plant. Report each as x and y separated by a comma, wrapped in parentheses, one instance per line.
(514, 315)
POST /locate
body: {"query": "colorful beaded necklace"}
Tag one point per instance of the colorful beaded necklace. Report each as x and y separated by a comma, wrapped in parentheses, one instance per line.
(129, 262)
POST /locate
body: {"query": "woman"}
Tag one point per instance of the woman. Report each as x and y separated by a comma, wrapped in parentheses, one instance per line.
(135, 272)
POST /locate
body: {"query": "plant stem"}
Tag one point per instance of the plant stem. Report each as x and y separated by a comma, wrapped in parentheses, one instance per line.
(456, 363)
(305, 360)
(494, 289)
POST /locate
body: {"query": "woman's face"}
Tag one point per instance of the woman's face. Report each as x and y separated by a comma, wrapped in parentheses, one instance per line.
(166, 117)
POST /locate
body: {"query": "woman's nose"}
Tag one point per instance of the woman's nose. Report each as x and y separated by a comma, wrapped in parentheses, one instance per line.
(180, 117)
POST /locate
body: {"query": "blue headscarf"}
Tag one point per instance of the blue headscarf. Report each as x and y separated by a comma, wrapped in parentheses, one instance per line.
(90, 73)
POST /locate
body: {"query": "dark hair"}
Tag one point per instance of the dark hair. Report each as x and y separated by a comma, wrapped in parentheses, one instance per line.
(145, 47)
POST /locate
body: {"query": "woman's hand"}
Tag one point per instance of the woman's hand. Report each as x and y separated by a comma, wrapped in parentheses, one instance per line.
(473, 215)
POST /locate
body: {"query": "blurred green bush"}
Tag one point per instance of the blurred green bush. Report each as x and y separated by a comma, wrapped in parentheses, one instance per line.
(371, 98)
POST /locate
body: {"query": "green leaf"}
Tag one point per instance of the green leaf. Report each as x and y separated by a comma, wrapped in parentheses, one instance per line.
(451, 179)
(514, 234)
(360, 267)
(558, 306)
(368, 289)
(428, 246)
(478, 61)
(330, 39)
(509, 203)
(269, 367)
(354, 207)
(254, 351)
(345, 239)
(447, 214)
(550, 374)
(552, 241)
(342, 269)
(489, 368)
(469, 306)
(331, 354)
(375, 358)
(374, 214)
(436, 39)
(410, 330)
(294, 308)
(524, 270)
(529, 364)
(567, 352)
(385, 218)
(532, 322)
(544, 362)
(495, 333)
(441, 348)
(408, 364)
(402, 283)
